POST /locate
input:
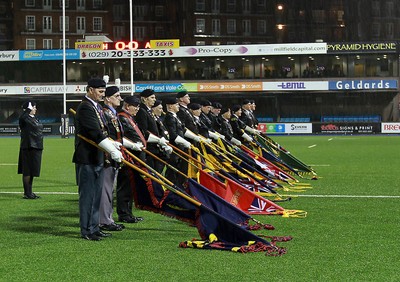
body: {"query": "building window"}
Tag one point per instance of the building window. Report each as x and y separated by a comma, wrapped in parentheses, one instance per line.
(118, 12)
(139, 32)
(31, 44)
(30, 23)
(29, 3)
(66, 44)
(376, 9)
(66, 23)
(389, 30)
(319, 16)
(231, 26)
(139, 11)
(159, 11)
(261, 27)
(200, 25)
(119, 32)
(246, 6)
(376, 29)
(200, 5)
(215, 6)
(97, 4)
(216, 26)
(231, 5)
(47, 44)
(97, 24)
(390, 9)
(47, 24)
(246, 26)
(261, 3)
(66, 3)
(80, 4)
(80, 25)
(160, 33)
(47, 4)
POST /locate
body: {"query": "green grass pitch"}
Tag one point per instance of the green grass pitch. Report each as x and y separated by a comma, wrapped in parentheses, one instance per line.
(350, 233)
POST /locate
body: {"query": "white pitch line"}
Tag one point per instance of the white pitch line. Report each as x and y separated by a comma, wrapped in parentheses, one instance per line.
(312, 146)
(330, 139)
(347, 196)
(44, 193)
(320, 165)
(8, 164)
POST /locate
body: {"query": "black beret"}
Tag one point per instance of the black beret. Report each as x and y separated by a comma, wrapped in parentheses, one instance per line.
(132, 100)
(96, 82)
(205, 103)
(147, 93)
(194, 106)
(28, 105)
(170, 100)
(217, 105)
(111, 90)
(236, 108)
(246, 101)
(224, 110)
(181, 94)
(157, 103)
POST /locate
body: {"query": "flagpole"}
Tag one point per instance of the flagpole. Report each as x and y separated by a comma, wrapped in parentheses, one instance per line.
(131, 39)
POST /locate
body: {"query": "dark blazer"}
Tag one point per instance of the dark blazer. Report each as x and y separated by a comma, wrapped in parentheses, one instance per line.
(174, 126)
(115, 130)
(31, 132)
(128, 122)
(225, 128)
(146, 121)
(184, 115)
(215, 121)
(247, 118)
(237, 127)
(88, 123)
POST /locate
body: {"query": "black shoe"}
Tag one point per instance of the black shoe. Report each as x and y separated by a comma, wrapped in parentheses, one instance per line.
(91, 237)
(32, 196)
(101, 234)
(111, 227)
(133, 219)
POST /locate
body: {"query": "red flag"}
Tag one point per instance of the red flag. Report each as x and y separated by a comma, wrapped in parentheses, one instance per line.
(239, 196)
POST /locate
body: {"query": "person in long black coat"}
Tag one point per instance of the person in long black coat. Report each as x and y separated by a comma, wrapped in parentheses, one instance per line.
(91, 124)
(31, 148)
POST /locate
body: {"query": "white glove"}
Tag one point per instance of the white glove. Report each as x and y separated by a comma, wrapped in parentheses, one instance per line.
(247, 137)
(106, 78)
(221, 136)
(181, 141)
(206, 140)
(153, 139)
(250, 130)
(213, 135)
(131, 145)
(138, 146)
(167, 149)
(163, 142)
(189, 134)
(236, 142)
(117, 145)
(109, 147)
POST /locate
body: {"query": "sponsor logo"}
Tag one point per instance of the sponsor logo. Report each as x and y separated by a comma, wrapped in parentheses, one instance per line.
(292, 85)
(362, 84)
(391, 127)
